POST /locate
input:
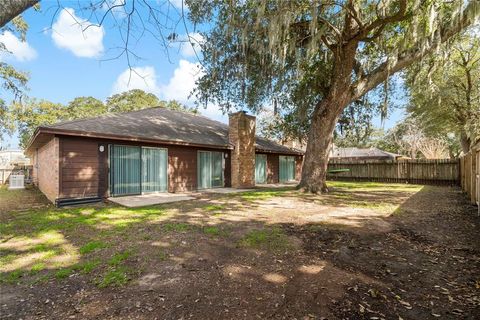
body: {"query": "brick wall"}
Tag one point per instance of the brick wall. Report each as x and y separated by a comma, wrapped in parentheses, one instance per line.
(242, 137)
(46, 169)
(272, 168)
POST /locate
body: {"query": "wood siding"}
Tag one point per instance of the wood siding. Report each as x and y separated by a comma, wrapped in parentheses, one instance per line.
(182, 169)
(81, 173)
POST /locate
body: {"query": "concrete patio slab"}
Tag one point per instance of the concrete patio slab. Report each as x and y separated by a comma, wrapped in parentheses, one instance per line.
(278, 185)
(225, 190)
(149, 199)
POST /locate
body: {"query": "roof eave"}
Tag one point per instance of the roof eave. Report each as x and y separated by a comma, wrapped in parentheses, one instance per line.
(78, 133)
(293, 152)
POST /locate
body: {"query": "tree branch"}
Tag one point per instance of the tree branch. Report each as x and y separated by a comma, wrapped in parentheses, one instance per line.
(419, 50)
(380, 23)
(9, 9)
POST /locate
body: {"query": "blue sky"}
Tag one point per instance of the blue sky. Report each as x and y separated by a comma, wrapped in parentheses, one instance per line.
(65, 63)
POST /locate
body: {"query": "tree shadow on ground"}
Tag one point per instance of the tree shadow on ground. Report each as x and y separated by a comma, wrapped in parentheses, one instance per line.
(245, 257)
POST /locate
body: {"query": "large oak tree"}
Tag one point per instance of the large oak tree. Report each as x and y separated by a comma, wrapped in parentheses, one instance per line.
(316, 57)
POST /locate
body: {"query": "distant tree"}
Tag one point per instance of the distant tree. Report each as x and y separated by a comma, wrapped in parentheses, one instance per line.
(31, 113)
(11, 80)
(408, 138)
(5, 123)
(445, 90)
(175, 105)
(84, 107)
(355, 127)
(433, 148)
(137, 99)
(131, 100)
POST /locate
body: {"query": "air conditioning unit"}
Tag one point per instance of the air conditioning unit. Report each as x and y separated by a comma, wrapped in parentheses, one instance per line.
(17, 181)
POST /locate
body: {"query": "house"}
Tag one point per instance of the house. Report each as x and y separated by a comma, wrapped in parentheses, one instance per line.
(154, 150)
(363, 154)
(10, 161)
(10, 158)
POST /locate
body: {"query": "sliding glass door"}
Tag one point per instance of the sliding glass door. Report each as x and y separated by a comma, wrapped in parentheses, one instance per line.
(136, 170)
(209, 169)
(260, 168)
(154, 170)
(125, 170)
(287, 168)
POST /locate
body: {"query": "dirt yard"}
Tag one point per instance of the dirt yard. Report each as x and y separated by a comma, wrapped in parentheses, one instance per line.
(364, 251)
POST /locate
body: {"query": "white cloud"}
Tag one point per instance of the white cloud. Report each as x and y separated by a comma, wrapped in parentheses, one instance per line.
(19, 50)
(143, 78)
(213, 112)
(191, 46)
(179, 86)
(70, 32)
(182, 82)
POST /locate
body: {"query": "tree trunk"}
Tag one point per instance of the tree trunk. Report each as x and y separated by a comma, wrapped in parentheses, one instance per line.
(320, 137)
(9, 9)
(465, 142)
(324, 119)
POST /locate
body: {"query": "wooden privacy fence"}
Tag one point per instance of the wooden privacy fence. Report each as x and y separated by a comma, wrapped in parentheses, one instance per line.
(470, 174)
(420, 171)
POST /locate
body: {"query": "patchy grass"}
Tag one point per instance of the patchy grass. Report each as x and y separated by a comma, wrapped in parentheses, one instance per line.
(64, 273)
(119, 258)
(264, 194)
(176, 227)
(162, 256)
(11, 277)
(37, 267)
(273, 239)
(214, 231)
(92, 246)
(114, 277)
(88, 266)
(215, 209)
(25, 199)
(373, 186)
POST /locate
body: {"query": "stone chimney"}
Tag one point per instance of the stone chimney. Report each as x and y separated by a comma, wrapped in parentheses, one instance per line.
(241, 135)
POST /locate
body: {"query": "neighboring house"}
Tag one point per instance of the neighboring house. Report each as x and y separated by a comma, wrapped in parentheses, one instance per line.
(363, 154)
(11, 160)
(155, 150)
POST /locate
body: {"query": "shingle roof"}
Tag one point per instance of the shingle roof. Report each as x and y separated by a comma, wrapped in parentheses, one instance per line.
(165, 125)
(362, 153)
